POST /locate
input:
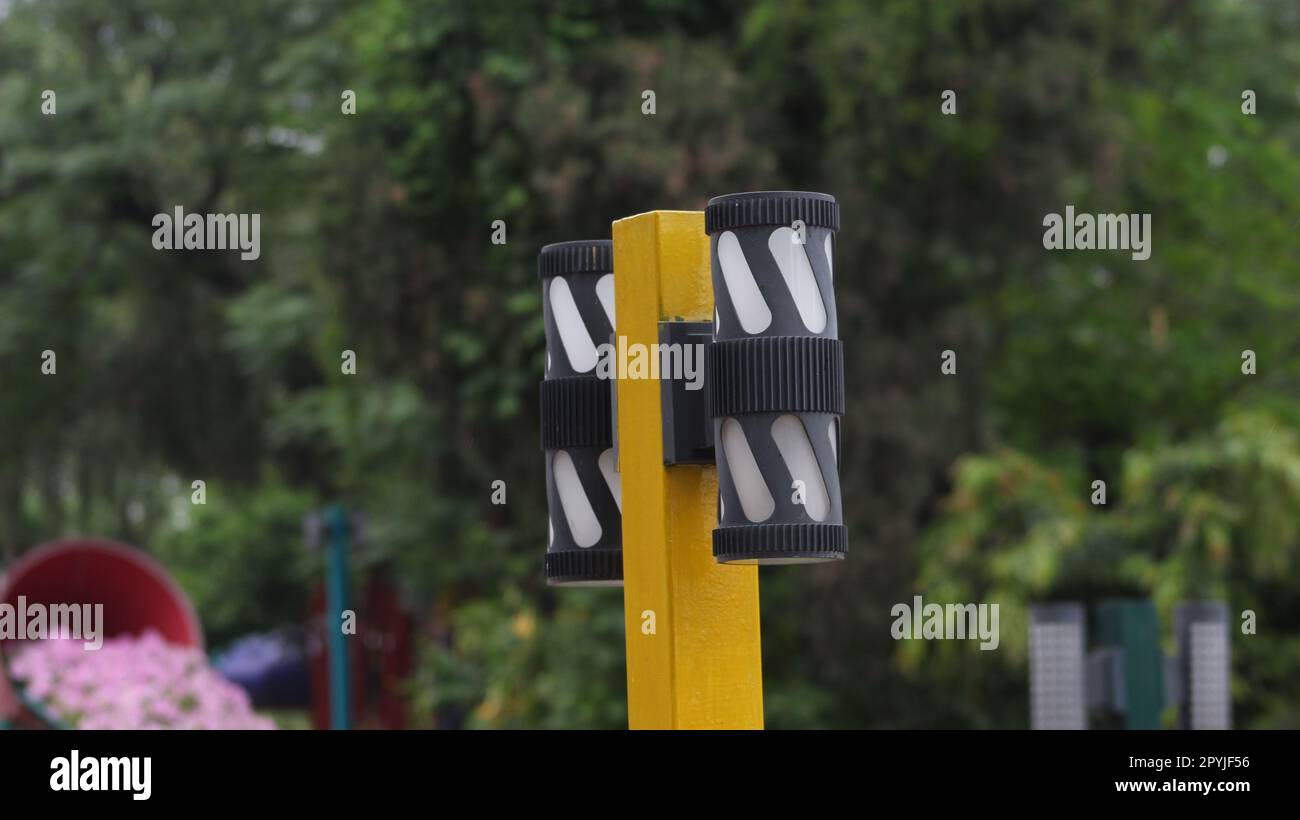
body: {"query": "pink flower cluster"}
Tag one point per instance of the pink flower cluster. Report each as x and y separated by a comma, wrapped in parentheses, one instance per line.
(132, 683)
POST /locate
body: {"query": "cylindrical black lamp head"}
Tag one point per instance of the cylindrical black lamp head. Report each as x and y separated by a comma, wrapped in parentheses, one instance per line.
(776, 384)
(583, 490)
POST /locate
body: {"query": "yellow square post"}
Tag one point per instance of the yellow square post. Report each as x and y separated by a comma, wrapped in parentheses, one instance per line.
(694, 653)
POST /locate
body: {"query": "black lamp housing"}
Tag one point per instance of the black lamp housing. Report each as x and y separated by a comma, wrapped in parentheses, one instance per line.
(776, 381)
(582, 484)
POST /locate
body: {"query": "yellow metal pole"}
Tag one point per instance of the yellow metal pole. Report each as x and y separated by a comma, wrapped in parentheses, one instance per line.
(693, 646)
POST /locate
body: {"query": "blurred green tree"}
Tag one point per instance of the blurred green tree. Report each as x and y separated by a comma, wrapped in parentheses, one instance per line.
(183, 365)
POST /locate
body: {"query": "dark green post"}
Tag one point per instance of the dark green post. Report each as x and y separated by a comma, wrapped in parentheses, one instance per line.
(336, 593)
(1131, 626)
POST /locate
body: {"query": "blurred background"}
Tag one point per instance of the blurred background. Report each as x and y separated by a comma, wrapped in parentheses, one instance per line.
(176, 366)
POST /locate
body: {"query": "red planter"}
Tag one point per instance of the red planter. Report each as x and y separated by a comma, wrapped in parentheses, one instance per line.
(137, 593)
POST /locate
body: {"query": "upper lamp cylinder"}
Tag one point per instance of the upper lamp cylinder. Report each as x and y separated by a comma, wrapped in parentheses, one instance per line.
(776, 384)
(583, 491)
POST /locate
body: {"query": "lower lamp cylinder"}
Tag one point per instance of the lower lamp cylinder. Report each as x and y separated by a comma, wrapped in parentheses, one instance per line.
(776, 383)
(583, 493)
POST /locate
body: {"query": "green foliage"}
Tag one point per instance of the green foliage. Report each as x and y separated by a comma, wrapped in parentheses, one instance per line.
(509, 666)
(1214, 518)
(184, 365)
(240, 557)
